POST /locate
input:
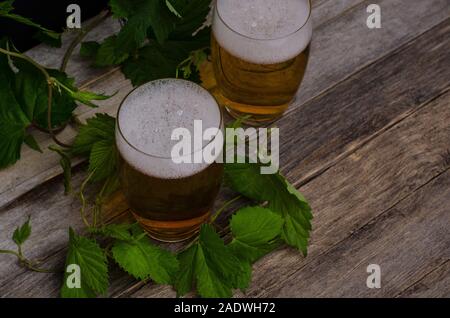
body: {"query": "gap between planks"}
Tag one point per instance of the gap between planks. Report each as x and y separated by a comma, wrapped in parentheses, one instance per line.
(29, 183)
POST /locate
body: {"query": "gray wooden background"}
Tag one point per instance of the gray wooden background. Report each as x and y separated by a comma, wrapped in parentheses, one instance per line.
(368, 143)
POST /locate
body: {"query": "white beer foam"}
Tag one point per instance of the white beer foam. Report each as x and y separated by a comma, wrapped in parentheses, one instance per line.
(147, 118)
(263, 31)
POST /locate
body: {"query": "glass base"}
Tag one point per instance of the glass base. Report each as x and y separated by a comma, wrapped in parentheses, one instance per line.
(255, 115)
(254, 120)
(172, 231)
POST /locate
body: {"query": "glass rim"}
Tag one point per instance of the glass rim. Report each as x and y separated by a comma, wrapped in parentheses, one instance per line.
(119, 130)
(259, 39)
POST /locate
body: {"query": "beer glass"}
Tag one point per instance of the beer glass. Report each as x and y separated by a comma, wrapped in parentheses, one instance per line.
(260, 50)
(169, 199)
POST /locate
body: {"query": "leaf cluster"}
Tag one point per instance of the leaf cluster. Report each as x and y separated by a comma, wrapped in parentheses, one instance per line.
(157, 37)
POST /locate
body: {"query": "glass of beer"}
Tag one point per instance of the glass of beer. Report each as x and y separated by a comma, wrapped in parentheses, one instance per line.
(260, 50)
(169, 199)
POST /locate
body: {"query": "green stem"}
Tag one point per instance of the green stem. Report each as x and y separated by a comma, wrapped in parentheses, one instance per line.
(10, 252)
(26, 262)
(98, 205)
(224, 206)
(30, 266)
(50, 81)
(83, 200)
(81, 35)
(188, 59)
(28, 59)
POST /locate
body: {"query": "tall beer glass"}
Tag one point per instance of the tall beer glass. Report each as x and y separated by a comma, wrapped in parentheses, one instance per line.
(169, 199)
(260, 50)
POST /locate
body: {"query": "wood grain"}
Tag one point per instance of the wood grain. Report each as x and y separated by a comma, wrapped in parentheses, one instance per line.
(331, 126)
(333, 58)
(408, 240)
(52, 211)
(78, 67)
(432, 285)
(345, 45)
(371, 208)
(361, 149)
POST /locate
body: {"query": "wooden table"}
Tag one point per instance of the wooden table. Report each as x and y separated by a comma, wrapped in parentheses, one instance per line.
(368, 143)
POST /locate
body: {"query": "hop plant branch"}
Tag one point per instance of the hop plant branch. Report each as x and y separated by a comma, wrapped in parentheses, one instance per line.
(51, 81)
(83, 32)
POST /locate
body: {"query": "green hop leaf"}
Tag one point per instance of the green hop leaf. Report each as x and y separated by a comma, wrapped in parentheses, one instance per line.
(22, 233)
(255, 230)
(31, 91)
(96, 140)
(91, 259)
(116, 231)
(283, 199)
(13, 121)
(31, 142)
(141, 259)
(209, 266)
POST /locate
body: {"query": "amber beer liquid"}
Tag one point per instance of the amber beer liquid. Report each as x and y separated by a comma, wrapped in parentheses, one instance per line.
(170, 200)
(260, 50)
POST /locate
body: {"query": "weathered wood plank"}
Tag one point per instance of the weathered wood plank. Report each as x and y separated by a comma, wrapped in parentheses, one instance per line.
(325, 10)
(331, 229)
(78, 67)
(35, 168)
(334, 124)
(48, 208)
(434, 284)
(346, 45)
(331, 61)
(406, 241)
(352, 198)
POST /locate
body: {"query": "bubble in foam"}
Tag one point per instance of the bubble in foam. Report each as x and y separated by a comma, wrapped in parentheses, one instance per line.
(263, 31)
(148, 116)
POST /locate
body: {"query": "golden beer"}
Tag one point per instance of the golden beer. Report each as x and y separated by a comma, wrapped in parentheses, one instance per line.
(169, 199)
(260, 51)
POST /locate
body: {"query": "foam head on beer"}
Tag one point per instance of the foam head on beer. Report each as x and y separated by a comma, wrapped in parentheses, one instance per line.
(149, 115)
(263, 31)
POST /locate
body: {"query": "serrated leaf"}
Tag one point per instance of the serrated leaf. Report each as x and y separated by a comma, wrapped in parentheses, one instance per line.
(193, 15)
(99, 128)
(156, 61)
(155, 21)
(254, 229)
(22, 233)
(283, 199)
(116, 231)
(11, 139)
(91, 259)
(106, 54)
(103, 160)
(31, 142)
(31, 91)
(209, 266)
(13, 121)
(123, 8)
(185, 278)
(145, 14)
(112, 184)
(89, 48)
(141, 259)
(86, 97)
